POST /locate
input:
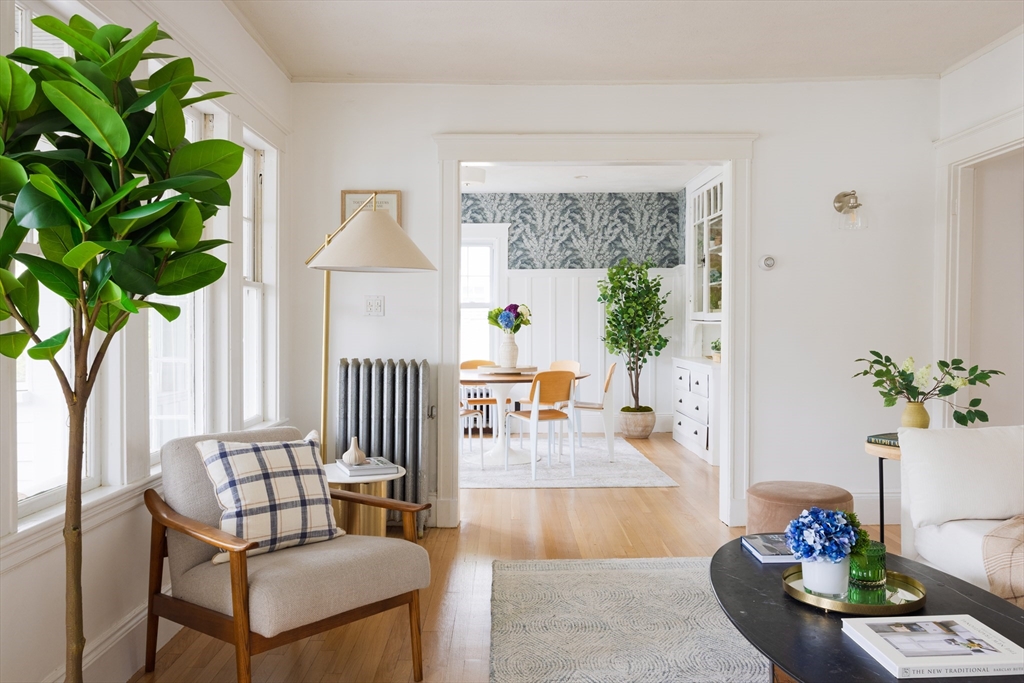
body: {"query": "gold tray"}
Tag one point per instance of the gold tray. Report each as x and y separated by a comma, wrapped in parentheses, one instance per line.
(903, 594)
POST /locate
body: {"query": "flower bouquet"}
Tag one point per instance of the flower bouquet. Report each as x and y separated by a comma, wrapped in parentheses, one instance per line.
(509, 320)
(919, 385)
(823, 541)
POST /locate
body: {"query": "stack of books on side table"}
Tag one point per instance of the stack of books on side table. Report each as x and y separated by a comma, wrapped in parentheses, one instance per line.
(768, 548)
(371, 467)
(951, 646)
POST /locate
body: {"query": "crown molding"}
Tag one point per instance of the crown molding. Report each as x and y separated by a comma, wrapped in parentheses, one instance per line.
(983, 51)
(254, 33)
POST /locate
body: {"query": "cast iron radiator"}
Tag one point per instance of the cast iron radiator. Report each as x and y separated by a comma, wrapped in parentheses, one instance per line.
(386, 405)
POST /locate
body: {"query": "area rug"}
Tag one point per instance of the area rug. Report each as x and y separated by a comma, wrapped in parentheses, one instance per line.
(653, 620)
(630, 469)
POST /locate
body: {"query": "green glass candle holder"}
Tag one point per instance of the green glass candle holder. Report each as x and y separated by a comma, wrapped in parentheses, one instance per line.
(867, 595)
(867, 569)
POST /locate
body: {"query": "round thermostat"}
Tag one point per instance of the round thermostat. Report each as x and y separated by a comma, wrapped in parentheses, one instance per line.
(766, 262)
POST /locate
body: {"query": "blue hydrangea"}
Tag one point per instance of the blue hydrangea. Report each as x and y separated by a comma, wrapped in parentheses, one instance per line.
(821, 535)
(507, 319)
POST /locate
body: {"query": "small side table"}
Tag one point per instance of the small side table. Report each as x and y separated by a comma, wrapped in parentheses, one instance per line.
(354, 518)
(890, 450)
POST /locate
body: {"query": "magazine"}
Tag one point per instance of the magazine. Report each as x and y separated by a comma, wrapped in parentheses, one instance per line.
(372, 467)
(936, 646)
(768, 548)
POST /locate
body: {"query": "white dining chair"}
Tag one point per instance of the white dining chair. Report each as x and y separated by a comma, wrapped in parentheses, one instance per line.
(605, 408)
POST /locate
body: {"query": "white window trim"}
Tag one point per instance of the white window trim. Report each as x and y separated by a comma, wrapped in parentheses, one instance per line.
(495, 234)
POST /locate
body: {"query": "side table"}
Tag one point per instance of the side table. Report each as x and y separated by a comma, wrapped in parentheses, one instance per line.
(884, 447)
(354, 518)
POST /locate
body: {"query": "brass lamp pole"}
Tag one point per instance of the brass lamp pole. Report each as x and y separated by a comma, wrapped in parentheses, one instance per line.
(372, 243)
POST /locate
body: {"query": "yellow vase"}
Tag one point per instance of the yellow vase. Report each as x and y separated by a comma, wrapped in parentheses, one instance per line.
(914, 415)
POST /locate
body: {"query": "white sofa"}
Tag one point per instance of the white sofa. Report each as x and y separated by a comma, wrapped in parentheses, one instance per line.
(956, 486)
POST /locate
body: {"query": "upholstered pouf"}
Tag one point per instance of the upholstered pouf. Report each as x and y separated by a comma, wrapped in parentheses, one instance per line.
(771, 505)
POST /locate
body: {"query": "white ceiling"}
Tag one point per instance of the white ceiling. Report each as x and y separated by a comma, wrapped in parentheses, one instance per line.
(618, 41)
(603, 178)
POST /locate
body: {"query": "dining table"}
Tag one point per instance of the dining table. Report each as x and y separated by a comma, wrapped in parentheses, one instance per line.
(500, 386)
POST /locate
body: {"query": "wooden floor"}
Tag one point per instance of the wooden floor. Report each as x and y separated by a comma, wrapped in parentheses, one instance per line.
(496, 524)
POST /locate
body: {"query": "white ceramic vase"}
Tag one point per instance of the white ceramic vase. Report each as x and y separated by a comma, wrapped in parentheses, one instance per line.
(508, 352)
(827, 579)
(354, 455)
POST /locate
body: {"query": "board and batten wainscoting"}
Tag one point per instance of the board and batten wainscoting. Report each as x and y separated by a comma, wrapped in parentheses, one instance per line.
(568, 323)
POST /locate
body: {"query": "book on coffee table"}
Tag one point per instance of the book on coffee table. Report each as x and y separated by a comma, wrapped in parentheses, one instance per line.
(891, 439)
(768, 548)
(949, 646)
(372, 467)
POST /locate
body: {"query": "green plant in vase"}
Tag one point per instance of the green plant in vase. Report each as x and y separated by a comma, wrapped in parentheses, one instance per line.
(97, 164)
(919, 385)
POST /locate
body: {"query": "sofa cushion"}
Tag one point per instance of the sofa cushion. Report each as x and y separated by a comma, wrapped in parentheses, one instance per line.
(963, 473)
(305, 584)
(956, 548)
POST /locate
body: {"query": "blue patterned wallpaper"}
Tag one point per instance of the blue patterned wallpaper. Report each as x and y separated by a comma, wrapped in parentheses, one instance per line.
(584, 230)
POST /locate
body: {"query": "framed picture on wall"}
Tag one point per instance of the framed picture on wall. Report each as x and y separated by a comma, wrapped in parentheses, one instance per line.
(387, 200)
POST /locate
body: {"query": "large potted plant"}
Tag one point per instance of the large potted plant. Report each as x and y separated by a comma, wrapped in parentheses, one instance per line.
(634, 317)
(97, 164)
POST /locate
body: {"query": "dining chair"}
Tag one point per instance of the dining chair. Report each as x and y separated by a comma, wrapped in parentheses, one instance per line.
(574, 367)
(478, 416)
(605, 408)
(548, 388)
(472, 401)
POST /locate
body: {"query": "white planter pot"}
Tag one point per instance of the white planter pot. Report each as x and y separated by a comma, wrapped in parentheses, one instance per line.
(508, 352)
(827, 579)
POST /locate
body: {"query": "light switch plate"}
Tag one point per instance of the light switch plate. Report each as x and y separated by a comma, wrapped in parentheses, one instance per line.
(375, 304)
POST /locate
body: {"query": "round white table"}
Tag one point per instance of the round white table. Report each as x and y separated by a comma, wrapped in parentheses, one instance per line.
(500, 387)
(354, 518)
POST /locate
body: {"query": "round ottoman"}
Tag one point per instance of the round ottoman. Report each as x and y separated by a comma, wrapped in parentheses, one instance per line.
(771, 505)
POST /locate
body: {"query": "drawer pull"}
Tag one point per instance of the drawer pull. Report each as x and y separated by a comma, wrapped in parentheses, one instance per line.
(695, 432)
(680, 400)
(681, 424)
(680, 378)
(696, 407)
(697, 382)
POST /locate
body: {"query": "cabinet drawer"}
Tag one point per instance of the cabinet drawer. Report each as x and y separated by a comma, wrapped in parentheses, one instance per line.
(694, 407)
(691, 434)
(699, 382)
(681, 379)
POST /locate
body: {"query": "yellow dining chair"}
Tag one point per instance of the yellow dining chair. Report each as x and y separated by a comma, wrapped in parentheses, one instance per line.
(605, 408)
(477, 415)
(548, 388)
(473, 401)
(574, 367)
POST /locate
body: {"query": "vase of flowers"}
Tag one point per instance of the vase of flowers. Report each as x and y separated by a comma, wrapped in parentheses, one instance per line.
(509, 320)
(918, 385)
(823, 540)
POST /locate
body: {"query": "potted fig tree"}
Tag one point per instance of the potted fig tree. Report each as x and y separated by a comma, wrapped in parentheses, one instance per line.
(634, 317)
(97, 166)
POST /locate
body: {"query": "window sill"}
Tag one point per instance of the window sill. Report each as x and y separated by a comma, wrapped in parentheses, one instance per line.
(41, 532)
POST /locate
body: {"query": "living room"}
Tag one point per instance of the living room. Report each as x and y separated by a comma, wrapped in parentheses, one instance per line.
(901, 103)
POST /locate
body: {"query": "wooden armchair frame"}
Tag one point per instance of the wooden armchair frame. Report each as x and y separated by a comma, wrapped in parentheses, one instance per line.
(235, 629)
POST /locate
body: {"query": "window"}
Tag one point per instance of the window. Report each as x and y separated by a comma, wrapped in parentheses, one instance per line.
(478, 286)
(253, 346)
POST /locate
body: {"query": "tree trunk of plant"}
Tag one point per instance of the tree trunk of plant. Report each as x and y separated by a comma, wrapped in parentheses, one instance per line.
(73, 620)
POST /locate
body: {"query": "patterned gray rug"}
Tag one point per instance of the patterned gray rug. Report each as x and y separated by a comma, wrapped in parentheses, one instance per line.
(593, 470)
(598, 621)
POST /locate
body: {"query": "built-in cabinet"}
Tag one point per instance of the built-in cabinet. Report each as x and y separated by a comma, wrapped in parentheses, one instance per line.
(706, 213)
(695, 401)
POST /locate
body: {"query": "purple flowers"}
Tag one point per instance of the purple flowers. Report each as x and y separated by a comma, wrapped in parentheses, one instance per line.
(510, 318)
(513, 309)
(823, 535)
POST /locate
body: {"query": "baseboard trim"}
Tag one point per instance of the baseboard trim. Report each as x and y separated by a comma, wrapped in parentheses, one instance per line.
(447, 513)
(866, 507)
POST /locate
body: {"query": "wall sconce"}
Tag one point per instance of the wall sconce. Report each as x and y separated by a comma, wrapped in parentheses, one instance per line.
(472, 175)
(851, 215)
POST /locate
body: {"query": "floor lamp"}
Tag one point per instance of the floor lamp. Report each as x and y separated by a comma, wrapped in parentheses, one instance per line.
(368, 241)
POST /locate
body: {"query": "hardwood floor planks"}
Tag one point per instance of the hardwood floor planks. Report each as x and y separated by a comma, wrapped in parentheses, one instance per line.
(507, 524)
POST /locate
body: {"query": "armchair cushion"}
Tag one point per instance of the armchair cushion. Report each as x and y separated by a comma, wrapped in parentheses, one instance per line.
(305, 584)
(273, 493)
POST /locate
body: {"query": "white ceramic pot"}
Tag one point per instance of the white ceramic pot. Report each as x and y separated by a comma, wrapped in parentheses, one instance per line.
(637, 425)
(827, 579)
(508, 352)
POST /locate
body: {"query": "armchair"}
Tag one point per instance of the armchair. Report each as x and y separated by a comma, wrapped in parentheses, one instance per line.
(262, 602)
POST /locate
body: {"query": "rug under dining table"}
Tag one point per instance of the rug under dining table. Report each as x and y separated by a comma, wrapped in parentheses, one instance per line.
(593, 469)
(653, 620)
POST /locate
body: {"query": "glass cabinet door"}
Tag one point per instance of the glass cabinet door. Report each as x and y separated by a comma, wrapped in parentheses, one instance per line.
(707, 211)
(714, 265)
(700, 258)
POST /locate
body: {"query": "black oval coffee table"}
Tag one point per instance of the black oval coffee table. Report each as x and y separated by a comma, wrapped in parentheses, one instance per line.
(807, 645)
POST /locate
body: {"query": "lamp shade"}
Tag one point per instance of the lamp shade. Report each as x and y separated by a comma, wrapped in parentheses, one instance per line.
(372, 242)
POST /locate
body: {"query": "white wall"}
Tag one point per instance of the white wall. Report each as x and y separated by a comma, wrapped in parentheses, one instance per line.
(116, 540)
(833, 296)
(983, 89)
(997, 287)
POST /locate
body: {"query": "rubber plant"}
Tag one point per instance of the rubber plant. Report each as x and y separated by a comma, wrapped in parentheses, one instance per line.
(97, 164)
(634, 317)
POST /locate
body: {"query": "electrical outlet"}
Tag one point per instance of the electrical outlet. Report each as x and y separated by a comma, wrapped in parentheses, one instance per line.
(375, 305)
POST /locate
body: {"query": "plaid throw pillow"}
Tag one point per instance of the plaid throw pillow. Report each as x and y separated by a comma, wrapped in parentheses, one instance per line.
(273, 493)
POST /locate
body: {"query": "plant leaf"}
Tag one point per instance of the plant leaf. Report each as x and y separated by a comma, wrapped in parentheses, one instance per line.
(49, 348)
(27, 299)
(134, 271)
(27, 55)
(110, 202)
(960, 418)
(975, 402)
(186, 226)
(204, 245)
(8, 282)
(170, 313)
(95, 118)
(170, 122)
(123, 62)
(174, 73)
(56, 277)
(35, 210)
(12, 176)
(197, 182)
(80, 43)
(83, 26)
(221, 157)
(17, 89)
(107, 317)
(188, 274)
(141, 216)
(110, 36)
(205, 96)
(10, 241)
(981, 415)
(82, 255)
(13, 343)
(56, 242)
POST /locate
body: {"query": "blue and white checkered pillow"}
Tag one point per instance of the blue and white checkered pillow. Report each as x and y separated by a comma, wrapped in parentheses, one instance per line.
(273, 493)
